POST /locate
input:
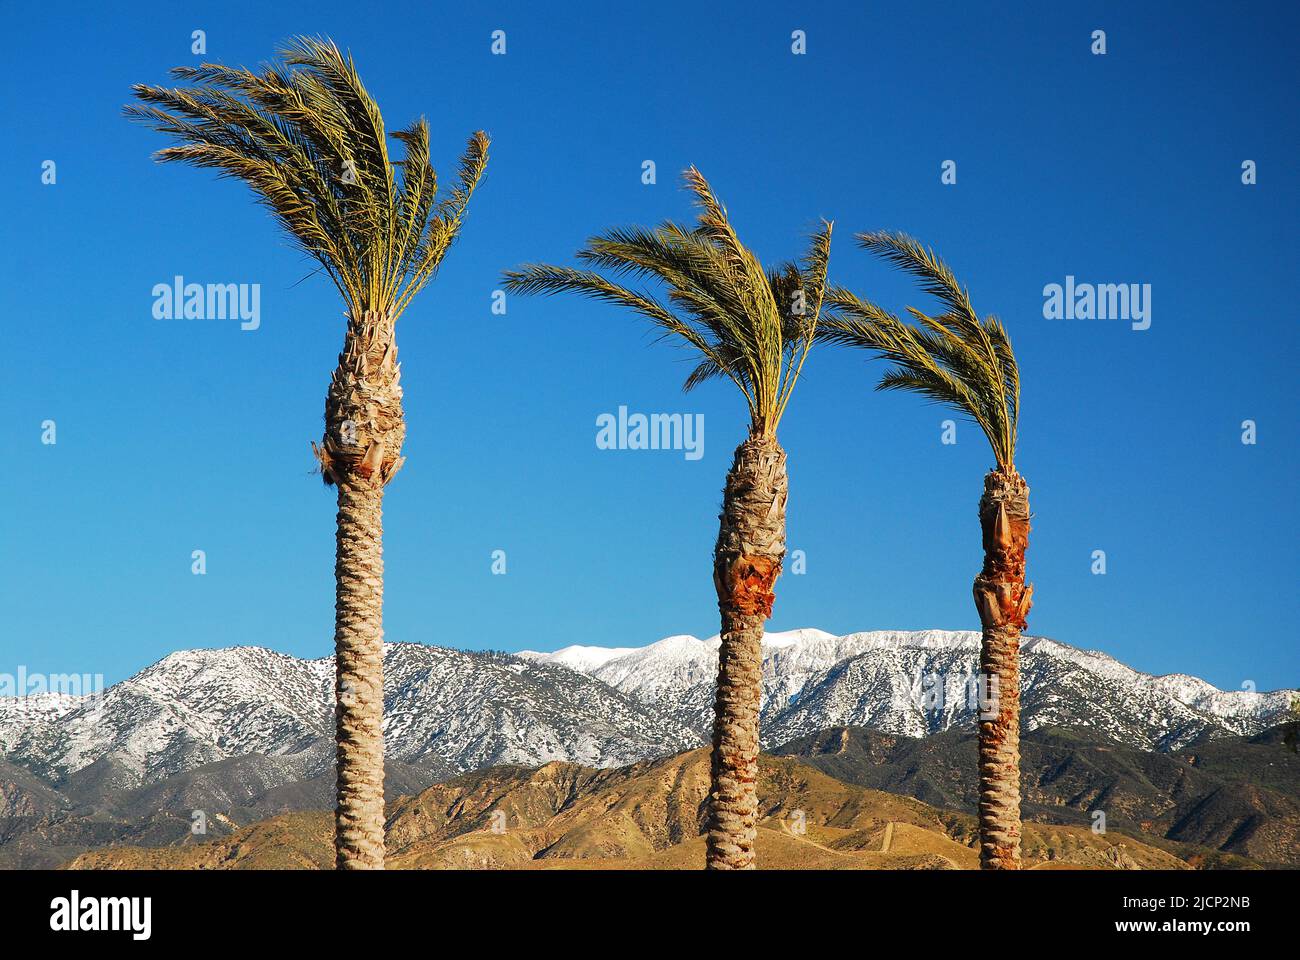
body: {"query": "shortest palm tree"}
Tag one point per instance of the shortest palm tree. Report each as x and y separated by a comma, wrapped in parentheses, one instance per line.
(966, 363)
(754, 327)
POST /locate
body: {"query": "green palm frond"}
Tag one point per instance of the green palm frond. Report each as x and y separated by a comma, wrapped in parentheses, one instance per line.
(744, 322)
(310, 141)
(805, 289)
(937, 279)
(954, 358)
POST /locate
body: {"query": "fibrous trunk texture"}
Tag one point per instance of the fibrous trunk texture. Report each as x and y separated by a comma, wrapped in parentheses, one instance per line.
(359, 454)
(746, 563)
(359, 683)
(1003, 600)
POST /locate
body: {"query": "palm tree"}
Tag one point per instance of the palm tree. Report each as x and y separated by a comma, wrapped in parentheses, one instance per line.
(310, 142)
(966, 363)
(754, 327)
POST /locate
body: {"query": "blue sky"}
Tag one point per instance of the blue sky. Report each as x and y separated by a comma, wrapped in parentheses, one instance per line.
(180, 435)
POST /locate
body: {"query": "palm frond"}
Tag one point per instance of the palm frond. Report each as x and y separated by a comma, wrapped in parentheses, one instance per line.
(954, 359)
(310, 141)
(719, 301)
(800, 325)
(541, 278)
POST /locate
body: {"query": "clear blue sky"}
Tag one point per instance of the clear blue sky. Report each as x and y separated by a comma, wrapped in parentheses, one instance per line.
(183, 435)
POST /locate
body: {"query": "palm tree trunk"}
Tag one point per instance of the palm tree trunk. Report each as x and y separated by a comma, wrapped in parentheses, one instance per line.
(1003, 601)
(359, 677)
(361, 450)
(746, 563)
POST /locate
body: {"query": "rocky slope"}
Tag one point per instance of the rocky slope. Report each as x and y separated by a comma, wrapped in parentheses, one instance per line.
(1231, 795)
(647, 816)
(443, 708)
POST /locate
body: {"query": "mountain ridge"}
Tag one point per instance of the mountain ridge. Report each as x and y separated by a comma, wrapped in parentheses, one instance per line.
(1219, 803)
(1234, 795)
(648, 815)
(913, 682)
(462, 710)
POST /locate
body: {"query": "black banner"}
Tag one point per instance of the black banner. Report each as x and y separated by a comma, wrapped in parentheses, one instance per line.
(308, 908)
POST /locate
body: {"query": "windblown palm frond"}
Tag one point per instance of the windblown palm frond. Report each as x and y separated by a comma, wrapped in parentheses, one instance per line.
(748, 324)
(310, 141)
(954, 358)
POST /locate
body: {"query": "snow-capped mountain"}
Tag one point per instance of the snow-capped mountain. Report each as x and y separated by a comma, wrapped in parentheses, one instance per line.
(591, 705)
(920, 682)
(449, 707)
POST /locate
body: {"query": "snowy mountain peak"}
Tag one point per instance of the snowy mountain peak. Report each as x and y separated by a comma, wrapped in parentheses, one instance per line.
(577, 657)
(890, 679)
(791, 637)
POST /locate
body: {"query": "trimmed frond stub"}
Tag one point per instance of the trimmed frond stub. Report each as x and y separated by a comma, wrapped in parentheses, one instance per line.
(365, 427)
(954, 358)
(309, 140)
(750, 325)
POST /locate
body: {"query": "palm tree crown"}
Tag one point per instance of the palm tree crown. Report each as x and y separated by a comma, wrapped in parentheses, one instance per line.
(954, 358)
(752, 325)
(310, 141)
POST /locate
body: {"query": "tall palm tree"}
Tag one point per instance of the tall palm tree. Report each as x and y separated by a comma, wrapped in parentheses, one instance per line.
(966, 363)
(310, 142)
(754, 327)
